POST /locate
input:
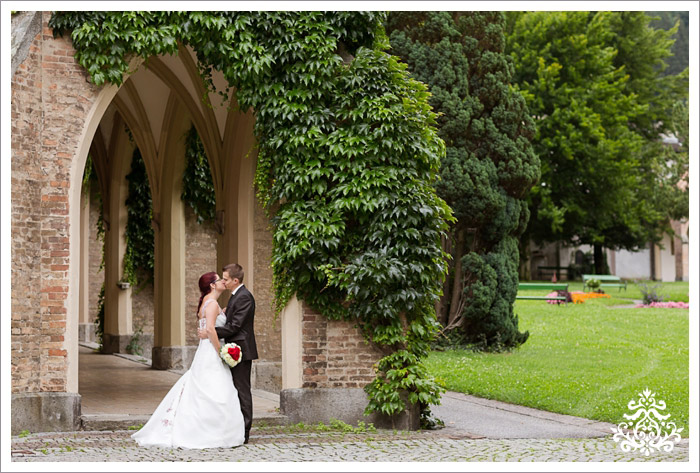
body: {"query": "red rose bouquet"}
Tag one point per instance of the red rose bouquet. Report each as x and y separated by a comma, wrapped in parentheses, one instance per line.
(231, 354)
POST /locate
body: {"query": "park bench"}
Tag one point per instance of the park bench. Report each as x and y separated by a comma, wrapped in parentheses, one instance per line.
(548, 286)
(546, 272)
(606, 280)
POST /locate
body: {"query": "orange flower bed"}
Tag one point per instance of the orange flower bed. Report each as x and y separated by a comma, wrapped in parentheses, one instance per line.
(580, 297)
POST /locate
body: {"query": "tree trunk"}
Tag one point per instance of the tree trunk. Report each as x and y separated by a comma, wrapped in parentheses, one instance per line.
(457, 295)
(524, 262)
(441, 306)
(599, 259)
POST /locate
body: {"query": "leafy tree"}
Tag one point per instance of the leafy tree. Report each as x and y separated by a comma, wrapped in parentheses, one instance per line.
(489, 164)
(666, 20)
(643, 52)
(679, 163)
(670, 176)
(592, 82)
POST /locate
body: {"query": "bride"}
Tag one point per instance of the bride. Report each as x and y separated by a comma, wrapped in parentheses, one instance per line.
(202, 409)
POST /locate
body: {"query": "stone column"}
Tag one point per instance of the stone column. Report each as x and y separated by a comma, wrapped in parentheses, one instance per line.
(235, 217)
(86, 328)
(169, 346)
(117, 329)
(292, 376)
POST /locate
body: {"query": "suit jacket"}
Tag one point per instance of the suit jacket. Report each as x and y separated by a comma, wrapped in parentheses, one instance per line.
(240, 314)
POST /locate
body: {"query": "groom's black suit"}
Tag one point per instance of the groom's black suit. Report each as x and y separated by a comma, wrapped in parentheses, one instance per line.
(240, 313)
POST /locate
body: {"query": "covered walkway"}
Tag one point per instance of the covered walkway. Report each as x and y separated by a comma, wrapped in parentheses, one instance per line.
(119, 391)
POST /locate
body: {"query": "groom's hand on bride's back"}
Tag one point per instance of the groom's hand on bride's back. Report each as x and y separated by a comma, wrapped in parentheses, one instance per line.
(202, 333)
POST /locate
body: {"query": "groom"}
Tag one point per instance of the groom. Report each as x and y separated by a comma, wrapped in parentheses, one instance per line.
(240, 312)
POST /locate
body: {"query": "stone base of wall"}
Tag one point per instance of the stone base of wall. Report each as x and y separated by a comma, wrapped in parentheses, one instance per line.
(45, 412)
(172, 358)
(266, 376)
(145, 345)
(114, 343)
(86, 333)
(346, 404)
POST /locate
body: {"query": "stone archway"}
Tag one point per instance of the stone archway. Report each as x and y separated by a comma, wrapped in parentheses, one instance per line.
(62, 120)
(56, 117)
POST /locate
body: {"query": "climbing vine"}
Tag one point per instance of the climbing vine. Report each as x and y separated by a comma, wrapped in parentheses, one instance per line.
(140, 252)
(100, 317)
(198, 192)
(89, 178)
(197, 186)
(347, 156)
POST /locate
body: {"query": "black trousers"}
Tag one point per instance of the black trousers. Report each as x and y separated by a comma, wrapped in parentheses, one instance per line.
(241, 379)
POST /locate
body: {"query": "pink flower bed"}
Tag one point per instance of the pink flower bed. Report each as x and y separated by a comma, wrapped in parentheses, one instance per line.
(554, 301)
(665, 305)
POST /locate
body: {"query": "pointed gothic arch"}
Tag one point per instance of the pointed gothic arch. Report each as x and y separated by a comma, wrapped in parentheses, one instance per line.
(157, 104)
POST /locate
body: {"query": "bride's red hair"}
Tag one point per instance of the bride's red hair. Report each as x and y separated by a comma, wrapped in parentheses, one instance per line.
(205, 282)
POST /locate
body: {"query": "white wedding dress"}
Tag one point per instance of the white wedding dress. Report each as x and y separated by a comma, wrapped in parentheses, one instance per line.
(202, 409)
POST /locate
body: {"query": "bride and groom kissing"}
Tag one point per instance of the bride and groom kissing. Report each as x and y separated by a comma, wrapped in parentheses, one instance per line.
(211, 405)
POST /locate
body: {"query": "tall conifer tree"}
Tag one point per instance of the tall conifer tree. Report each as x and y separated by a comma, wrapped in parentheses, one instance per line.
(489, 165)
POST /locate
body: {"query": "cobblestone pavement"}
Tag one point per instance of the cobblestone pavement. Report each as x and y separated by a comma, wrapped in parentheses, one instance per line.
(292, 444)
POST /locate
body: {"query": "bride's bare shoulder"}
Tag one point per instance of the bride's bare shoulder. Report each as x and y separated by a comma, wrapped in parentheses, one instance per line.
(212, 310)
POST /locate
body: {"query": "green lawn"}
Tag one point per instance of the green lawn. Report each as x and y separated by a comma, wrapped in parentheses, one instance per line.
(674, 291)
(587, 360)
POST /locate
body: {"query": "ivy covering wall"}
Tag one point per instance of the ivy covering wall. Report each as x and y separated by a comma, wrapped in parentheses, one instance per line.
(140, 250)
(347, 157)
(197, 192)
(197, 186)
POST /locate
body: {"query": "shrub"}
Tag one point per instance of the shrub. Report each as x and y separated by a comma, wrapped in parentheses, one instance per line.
(134, 347)
(593, 284)
(650, 294)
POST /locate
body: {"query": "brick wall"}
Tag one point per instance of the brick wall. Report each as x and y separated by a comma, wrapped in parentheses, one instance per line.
(200, 258)
(142, 315)
(45, 132)
(267, 329)
(27, 177)
(335, 355)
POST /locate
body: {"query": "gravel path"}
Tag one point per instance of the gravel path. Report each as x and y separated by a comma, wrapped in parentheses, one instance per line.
(284, 444)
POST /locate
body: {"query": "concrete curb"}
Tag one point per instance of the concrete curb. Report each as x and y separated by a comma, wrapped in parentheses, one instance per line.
(111, 422)
(117, 422)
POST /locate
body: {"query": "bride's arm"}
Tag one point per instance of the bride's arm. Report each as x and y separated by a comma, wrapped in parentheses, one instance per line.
(211, 312)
